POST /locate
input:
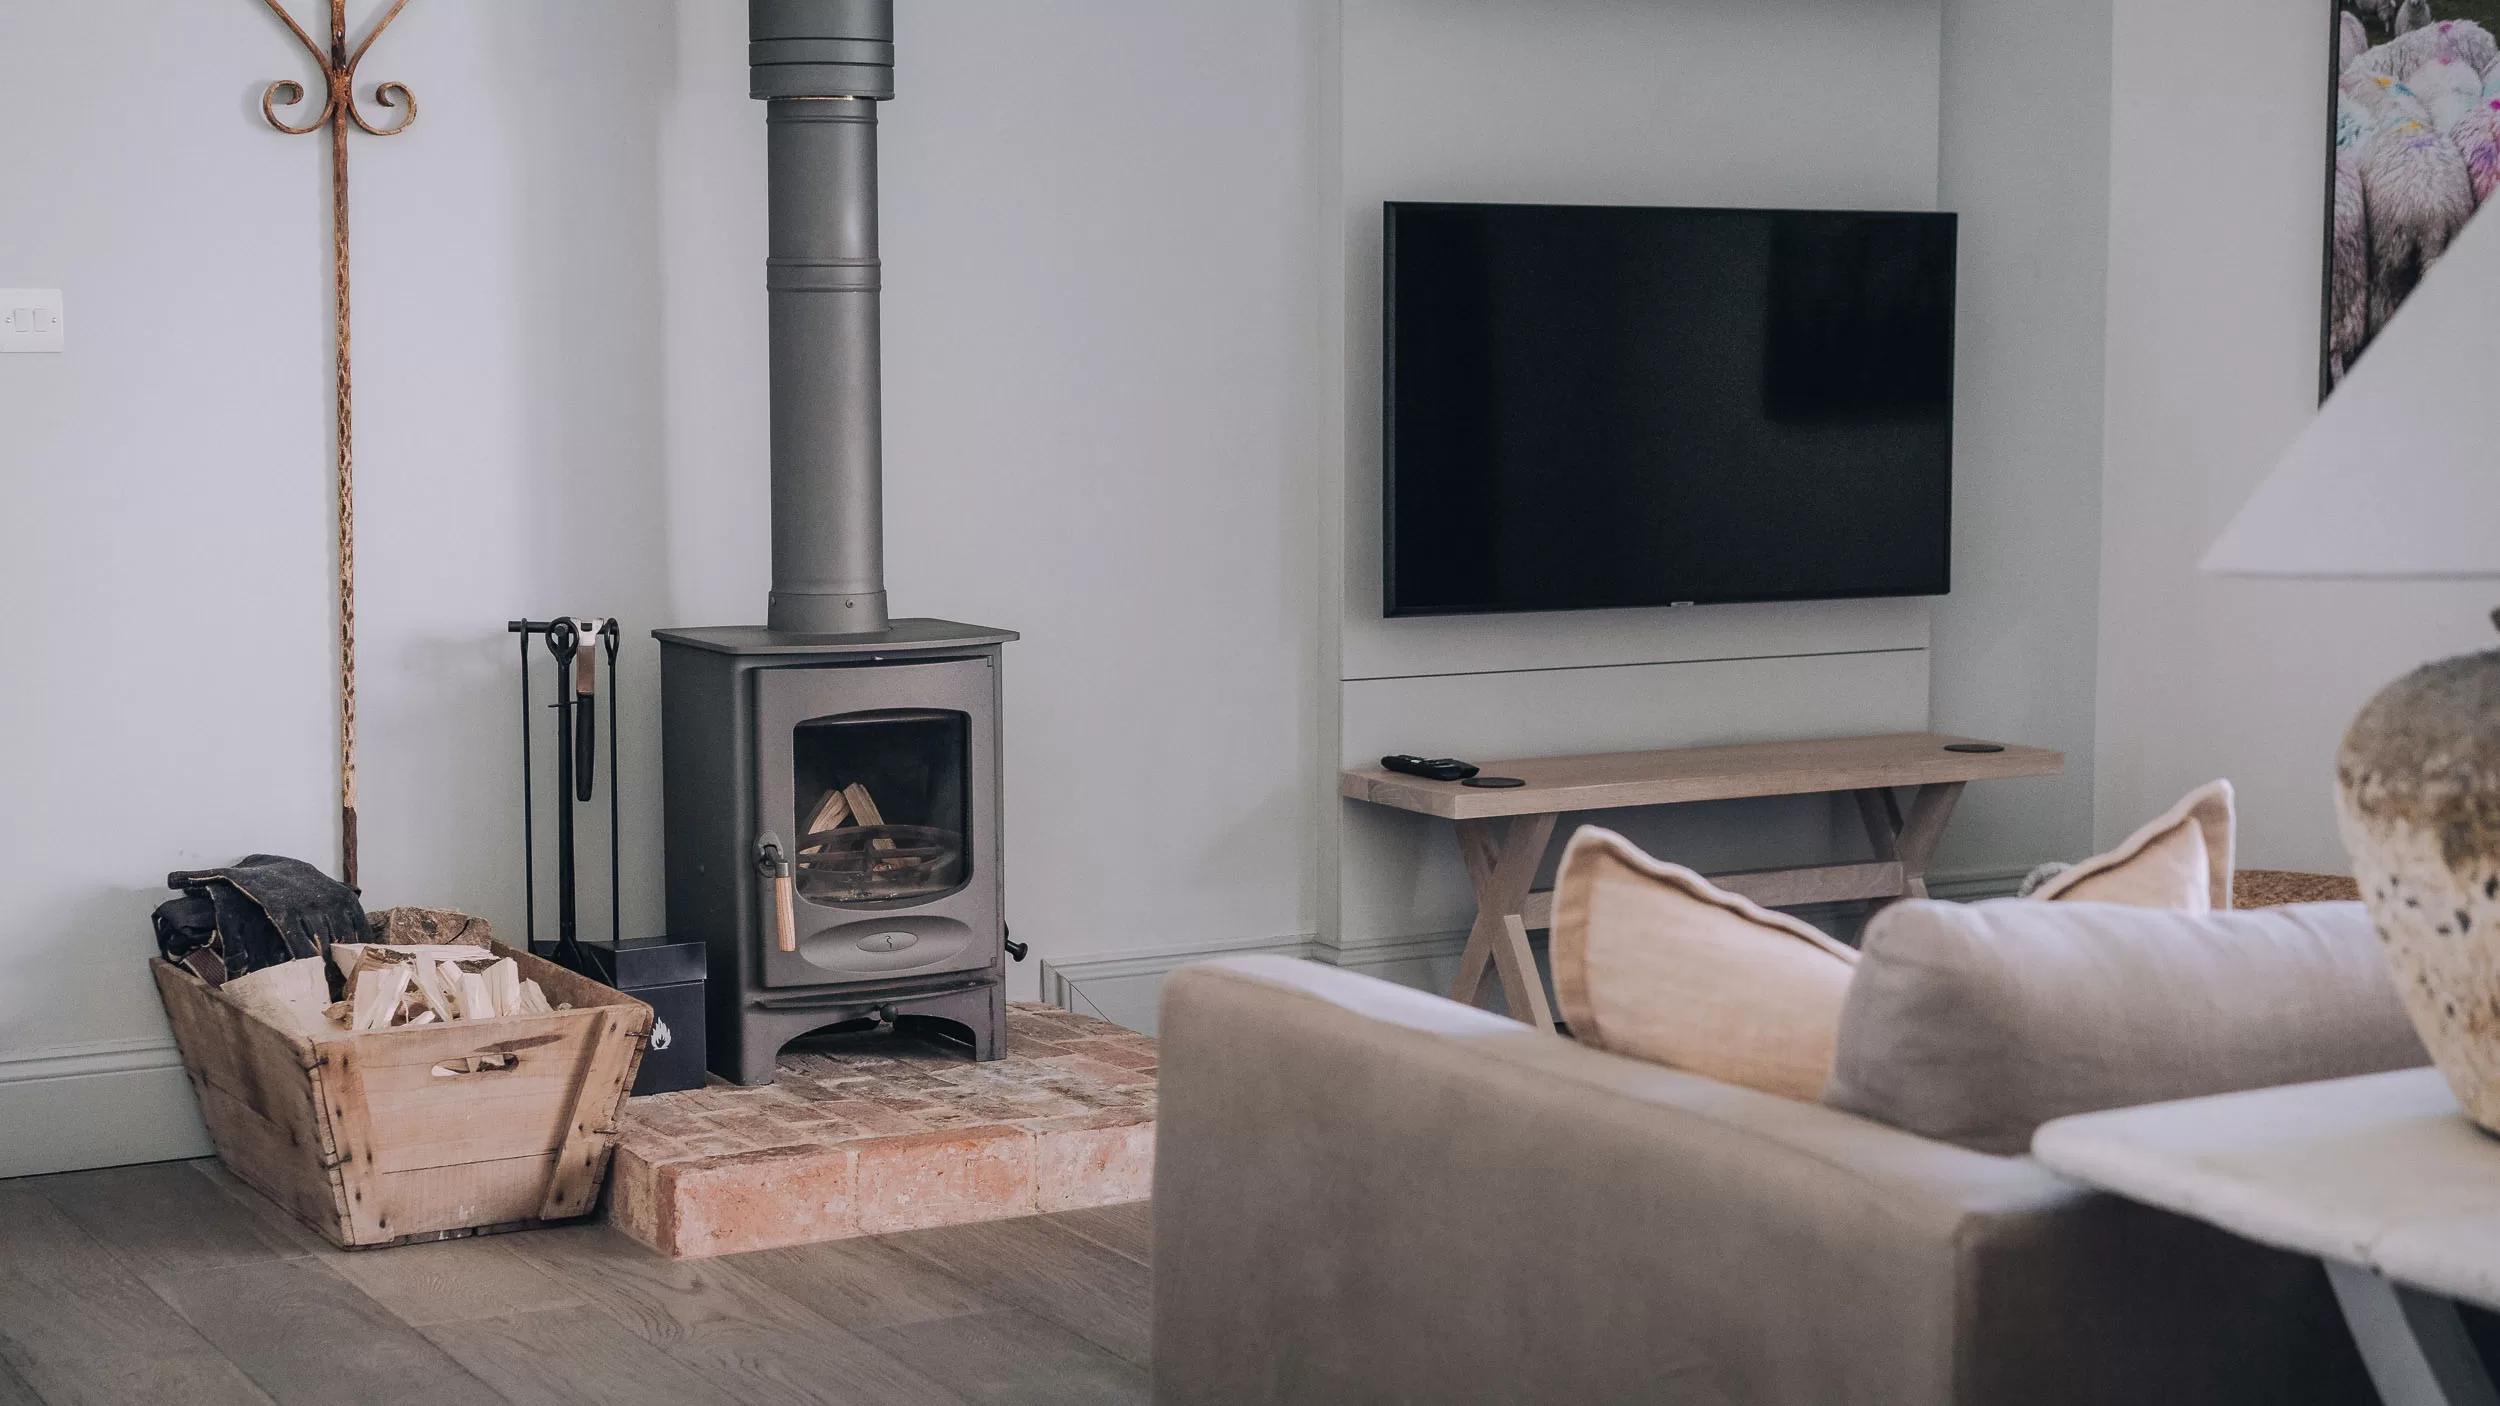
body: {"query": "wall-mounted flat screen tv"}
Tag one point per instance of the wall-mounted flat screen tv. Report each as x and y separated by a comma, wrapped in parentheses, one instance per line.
(1605, 406)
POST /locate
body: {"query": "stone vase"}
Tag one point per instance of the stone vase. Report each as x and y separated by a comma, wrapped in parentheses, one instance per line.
(2418, 799)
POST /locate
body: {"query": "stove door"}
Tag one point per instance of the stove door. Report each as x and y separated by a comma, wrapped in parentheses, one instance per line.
(881, 783)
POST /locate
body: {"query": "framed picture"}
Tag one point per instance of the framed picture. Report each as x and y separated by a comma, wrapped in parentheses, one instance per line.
(2414, 148)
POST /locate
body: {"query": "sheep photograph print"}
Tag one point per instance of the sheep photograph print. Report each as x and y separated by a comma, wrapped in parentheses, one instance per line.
(2417, 149)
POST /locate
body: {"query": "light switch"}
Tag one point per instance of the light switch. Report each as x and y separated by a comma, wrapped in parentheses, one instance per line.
(36, 321)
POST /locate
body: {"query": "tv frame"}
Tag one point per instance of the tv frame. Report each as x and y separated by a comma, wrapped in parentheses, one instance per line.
(1390, 609)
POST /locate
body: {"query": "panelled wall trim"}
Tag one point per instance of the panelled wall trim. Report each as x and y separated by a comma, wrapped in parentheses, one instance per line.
(1968, 886)
(1125, 987)
(1633, 664)
(114, 1102)
(102, 1104)
(1057, 972)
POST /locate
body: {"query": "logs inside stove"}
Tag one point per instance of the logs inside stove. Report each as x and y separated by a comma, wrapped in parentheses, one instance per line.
(832, 776)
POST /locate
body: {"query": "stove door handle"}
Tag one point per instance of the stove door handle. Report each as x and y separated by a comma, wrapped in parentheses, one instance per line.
(772, 864)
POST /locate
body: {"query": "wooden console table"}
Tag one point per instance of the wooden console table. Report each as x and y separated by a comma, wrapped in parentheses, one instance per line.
(1502, 834)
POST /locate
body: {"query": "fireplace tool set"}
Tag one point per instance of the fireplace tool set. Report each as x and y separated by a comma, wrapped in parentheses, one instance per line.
(666, 975)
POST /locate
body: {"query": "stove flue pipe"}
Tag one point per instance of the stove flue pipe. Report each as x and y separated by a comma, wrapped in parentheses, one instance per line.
(823, 66)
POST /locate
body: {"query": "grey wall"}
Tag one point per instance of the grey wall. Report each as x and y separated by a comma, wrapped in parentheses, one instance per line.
(2212, 371)
(1999, 112)
(1127, 320)
(1602, 101)
(1101, 413)
(168, 525)
(1100, 409)
(2024, 156)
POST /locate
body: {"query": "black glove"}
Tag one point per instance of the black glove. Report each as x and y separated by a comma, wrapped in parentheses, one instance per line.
(269, 909)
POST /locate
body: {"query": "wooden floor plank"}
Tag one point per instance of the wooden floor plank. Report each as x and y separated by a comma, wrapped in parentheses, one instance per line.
(1049, 1270)
(176, 1282)
(750, 1341)
(566, 1356)
(1127, 1227)
(77, 1326)
(1013, 1358)
(454, 1280)
(163, 1218)
(13, 1389)
(269, 1215)
(307, 1335)
(863, 1283)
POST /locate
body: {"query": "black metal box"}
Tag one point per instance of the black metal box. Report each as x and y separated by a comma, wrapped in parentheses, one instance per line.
(667, 975)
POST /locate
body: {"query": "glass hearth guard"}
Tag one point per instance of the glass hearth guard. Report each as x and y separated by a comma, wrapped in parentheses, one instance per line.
(882, 805)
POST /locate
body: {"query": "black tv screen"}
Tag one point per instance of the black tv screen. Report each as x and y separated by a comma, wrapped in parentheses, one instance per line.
(1602, 406)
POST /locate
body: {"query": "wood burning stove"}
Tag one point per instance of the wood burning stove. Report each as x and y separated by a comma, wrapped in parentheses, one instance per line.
(866, 768)
(832, 777)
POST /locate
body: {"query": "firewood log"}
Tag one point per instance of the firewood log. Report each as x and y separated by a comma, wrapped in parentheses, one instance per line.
(830, 813)
(477, 996)
(378, 990)
(429, 984)
(864, 810)
(504, 979)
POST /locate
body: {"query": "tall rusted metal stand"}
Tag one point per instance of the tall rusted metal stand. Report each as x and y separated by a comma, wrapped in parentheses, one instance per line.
(338, 109)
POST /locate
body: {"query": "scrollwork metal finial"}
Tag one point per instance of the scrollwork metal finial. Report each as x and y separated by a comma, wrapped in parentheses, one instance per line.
(337, 66)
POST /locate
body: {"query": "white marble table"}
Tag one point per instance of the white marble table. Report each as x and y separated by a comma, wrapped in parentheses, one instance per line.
(2381, 1177)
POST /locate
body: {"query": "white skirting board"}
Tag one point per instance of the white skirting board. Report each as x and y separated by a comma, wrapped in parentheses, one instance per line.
(1125, 988)
(123, 1101)
(99, 1105)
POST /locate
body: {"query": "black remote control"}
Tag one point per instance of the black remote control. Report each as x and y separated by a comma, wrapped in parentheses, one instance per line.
(1437, 769)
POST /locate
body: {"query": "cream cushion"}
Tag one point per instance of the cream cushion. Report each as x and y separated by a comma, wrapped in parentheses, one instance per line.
(2181, 859)
(1654, 961)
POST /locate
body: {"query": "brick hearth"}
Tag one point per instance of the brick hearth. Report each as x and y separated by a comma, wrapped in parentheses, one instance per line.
(867, 1134)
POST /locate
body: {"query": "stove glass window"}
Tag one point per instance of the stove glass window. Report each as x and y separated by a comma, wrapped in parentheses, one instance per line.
(884, 805)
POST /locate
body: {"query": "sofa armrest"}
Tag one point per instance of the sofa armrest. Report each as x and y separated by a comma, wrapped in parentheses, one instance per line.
(1365, 1193)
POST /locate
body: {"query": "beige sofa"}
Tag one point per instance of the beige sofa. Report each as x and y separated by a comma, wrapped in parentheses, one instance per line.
(1367, 1194)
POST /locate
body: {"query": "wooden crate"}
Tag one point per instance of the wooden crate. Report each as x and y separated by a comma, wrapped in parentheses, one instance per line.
(366, 1142)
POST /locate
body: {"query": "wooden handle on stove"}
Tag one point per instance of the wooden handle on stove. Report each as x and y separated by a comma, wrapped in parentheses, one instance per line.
(785, 917)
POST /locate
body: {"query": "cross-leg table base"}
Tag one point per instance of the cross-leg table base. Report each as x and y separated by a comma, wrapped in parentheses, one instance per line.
(1502, 858)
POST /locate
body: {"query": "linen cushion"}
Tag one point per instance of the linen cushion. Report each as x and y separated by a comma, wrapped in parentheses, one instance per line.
(2181, 859)
(1654, 961)
(1975, 1023)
